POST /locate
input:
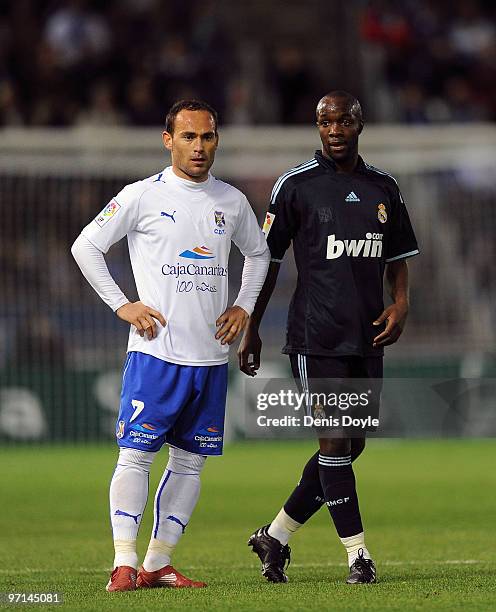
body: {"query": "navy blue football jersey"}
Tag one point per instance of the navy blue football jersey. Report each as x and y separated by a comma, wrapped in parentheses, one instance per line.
(344, 229)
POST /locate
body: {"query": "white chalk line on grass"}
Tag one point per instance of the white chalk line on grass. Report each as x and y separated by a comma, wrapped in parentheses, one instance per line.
(93, 570)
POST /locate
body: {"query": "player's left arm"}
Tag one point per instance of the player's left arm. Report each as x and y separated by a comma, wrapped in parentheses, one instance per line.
(396, 314)
(402, 244)
(250, 240)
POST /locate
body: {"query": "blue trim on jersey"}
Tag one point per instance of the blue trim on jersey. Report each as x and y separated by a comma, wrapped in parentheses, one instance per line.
(384, 173)
(311, 163)
(379, 171)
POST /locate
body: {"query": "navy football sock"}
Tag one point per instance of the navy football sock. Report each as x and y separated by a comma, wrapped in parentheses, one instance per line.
(308, 496)
(338, 483)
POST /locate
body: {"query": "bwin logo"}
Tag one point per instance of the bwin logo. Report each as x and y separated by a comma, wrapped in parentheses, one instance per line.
(370, 247)
(335, 502)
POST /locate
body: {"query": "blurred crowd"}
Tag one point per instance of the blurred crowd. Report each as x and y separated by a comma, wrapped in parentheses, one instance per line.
(124, 62)
(80, 62)
(436, 60)
(108, 63)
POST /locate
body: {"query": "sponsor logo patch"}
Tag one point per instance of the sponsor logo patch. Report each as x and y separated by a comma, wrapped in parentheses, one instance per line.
(202, 252)
(140, 436)
(209, 437)
(145, 427)
(107, 213)
(371, 246)
(209, 431)
(177, 270)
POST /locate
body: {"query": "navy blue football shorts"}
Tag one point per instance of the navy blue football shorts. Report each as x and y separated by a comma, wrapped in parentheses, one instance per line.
(346, 388)
(180, 405)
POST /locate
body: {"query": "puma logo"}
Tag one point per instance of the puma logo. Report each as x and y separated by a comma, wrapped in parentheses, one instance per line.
(135, 517)
(171, 517)
(171, 216)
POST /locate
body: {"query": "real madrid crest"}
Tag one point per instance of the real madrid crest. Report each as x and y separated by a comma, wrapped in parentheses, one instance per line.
(319, 412)
(220, 222)
(381, 213)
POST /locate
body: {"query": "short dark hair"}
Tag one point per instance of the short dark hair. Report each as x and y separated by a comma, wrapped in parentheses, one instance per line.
(192, 105)
(353, 102)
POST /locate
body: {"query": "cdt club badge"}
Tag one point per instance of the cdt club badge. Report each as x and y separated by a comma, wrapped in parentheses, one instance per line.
(220, 222)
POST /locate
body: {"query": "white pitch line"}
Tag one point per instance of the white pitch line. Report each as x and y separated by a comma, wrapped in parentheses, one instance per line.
(93, 570)
(398, 563)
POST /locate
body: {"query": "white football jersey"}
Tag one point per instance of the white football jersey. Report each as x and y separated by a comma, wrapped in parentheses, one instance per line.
(179, 235)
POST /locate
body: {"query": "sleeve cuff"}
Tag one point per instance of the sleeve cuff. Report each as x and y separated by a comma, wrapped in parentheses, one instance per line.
(403, 256)
(115, 307)
(246, 307)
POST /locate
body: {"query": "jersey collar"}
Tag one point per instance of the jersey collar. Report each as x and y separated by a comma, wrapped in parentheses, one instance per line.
(329, 164)
(185, 183)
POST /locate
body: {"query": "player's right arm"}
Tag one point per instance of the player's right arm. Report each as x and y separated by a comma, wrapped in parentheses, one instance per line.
(142, 317)
(250, 348)
(117, 219)
(279, 228)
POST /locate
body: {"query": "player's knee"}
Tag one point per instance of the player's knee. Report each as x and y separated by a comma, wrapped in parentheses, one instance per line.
(182, 462)
(130, 457)
(357, 446)
(335, 447)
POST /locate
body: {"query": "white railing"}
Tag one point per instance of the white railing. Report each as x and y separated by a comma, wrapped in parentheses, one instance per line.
(244, 152)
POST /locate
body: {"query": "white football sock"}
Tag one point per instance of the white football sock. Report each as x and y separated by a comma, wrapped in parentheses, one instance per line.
(176, 498)
(283, 527)
(128, 495)
(353, 544)
(158, 555)
(125, 553)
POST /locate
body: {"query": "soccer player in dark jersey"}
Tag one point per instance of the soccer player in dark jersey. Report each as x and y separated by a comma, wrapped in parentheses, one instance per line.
(349, 225)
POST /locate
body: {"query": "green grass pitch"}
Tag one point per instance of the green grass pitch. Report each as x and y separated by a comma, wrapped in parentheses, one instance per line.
(428, 509)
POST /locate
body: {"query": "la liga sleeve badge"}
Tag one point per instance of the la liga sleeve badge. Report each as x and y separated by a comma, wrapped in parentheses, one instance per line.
(269, 220)
(107, 213)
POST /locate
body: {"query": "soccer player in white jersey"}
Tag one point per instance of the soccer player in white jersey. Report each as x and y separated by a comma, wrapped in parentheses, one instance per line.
(179, 225)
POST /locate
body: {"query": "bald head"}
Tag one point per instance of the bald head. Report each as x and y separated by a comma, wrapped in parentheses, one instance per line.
(342, 100)
(340, 123)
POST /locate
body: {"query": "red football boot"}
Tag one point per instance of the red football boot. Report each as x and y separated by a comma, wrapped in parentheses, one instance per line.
(165, 577)
(123, 578)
